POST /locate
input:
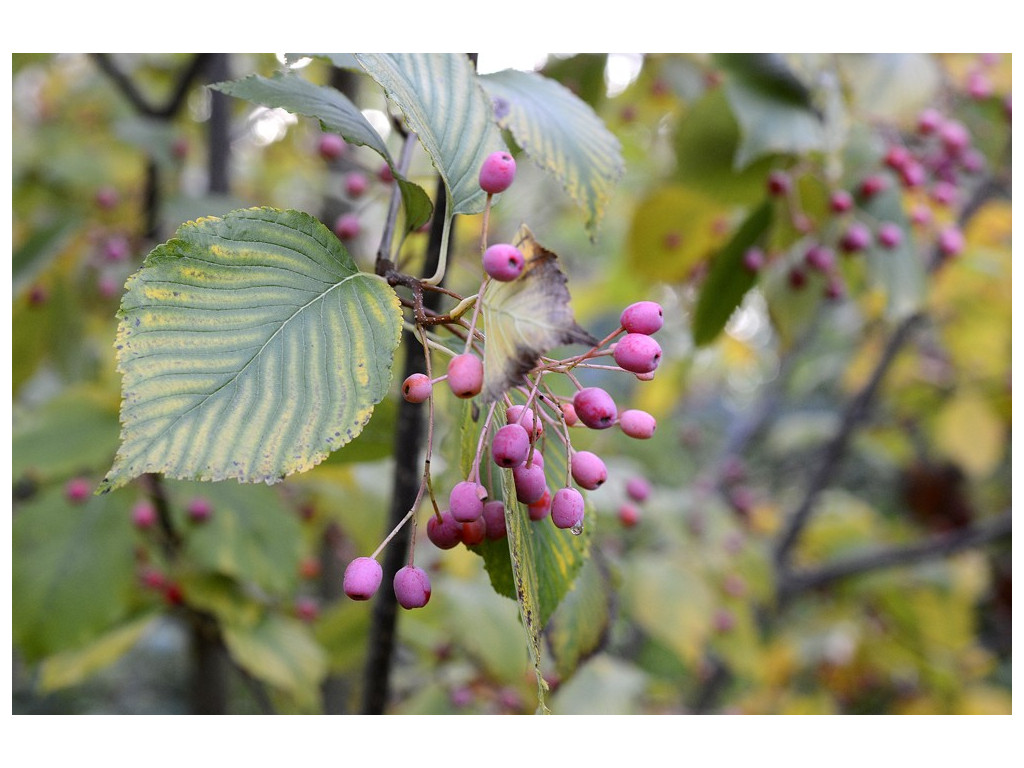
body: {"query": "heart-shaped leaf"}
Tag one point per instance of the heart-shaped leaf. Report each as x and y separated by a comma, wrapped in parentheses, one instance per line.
(250, 347)
(526, 317)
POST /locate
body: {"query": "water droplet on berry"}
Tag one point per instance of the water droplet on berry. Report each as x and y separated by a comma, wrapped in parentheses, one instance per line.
(577, 529)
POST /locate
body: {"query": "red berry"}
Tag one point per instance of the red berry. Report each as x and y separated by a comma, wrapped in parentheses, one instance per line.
(840, 201)
(637, 353)
(144, 515)
(779, 183)
(527, 419)
(889, 235)
(834, 288)
(638, 488)
(412, 587)
(637, 423)
(951, 241)
(466, 375)
(497, 172)
(385, 174)
(309, 568)
(474, 531)
(347, 226)
(446, 532)
(417, 388)
(504, 262)
(466, 501)
(539, 509)
(567, 508)
(494, 520)
(753, 259)
(362, 578)
(355, 184)
(595, 407)
(510, 445)
(588, 470)
(629, 515)
(644, 317)
(199, 509)
(77, 490)
(531, 483)
(331, 146)
(797, 278)
(820, 258)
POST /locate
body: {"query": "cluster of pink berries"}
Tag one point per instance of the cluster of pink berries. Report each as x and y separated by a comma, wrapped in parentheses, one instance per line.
(473, 515)
(355, 183)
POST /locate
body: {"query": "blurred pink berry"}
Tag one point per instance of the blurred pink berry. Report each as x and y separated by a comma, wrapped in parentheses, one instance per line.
(199, 509)
(753, 259)
(331, 146)
(77, 490)
(307, 609)
(638, 488)
(107, 198)
(943, 193)
(929, 121)
(385, 174)
(347, 226)
(889, 235)
(872, 185)
(144, 515)
(840, 201)
(629, 515)
(779, 183)
(820, 258)
(978, 85)
(951, 241)
(355, 184)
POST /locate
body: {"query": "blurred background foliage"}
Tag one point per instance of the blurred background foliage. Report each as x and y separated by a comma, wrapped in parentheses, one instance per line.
(698, 605)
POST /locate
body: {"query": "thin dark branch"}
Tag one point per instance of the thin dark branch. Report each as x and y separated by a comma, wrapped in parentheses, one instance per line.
(833, 452)
(142, 105)
(793, 582)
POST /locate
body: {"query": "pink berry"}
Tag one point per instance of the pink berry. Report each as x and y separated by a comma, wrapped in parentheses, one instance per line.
(779, 183)
(889, 235)
(466, 375)
(77, 490)
(474, 531)
(504, 262)
(637, 423)
(527, 419)
(38, 295)
(385, 174)
(355, 184)
(840, 201)
(856, 238)
(753, 259)
(872, 185)
(912, 174)
(978, 85)
(929, 121)
(797, 278)
(199, 509)
(834, 288)
(588, 470)
(444, 533)
(567, 508)
(494, 520)
(920, 215)
(820, 258)
(510, 445)
(116, 249)
(629, 515)
(107, 198)
(466, 501)
(331, 146)
(540, 509)
(951, 241)
(595, 407)
(637, 353)
(307, 608)
(144, 515)
(897, 157)
(724, 620)
(954, 136)
(179, 148)
(347, 226)
(972, 161)
(531, 483)
(497, 172)
(645, 317)
(943, 193)
(638, 488)
(362, 578)
(569, 414)
(417, 388)
(412, 587)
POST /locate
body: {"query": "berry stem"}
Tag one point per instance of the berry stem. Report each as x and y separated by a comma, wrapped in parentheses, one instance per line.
(474, 473)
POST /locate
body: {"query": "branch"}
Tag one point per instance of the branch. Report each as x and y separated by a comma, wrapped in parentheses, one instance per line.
(127, 87)
(833, 452)
(793, 582)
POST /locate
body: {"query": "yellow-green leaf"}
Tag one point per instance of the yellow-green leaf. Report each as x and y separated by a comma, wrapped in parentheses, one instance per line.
(971, 433)
(250, 347)
(526, 318)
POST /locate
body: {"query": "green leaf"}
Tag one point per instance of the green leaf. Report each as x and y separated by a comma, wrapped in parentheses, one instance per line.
(250, 536)
(891, 86)
(337, 114)
(580, 626)
(221, 597)
(34, 256)
(250, 347)
(899, 271)
(75, 431)
(772, 108)
(561, 133)
(525, 318)
(72, 667)
(282, 652)
(728, 280)
(706, 141)
(441, 98)
(73, 571)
